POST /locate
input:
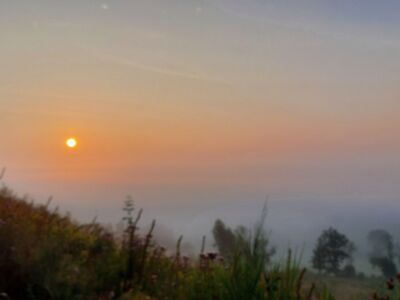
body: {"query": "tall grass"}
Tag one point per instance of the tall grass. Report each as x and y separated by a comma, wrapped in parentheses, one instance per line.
(46, 255)
(390, 290)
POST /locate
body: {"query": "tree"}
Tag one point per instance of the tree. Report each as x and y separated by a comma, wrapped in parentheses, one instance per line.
(349, 271)
(224, 239)
(242, 240)
(381, 243)
(385, 265)
(382, 252)
(397, 253)
(332, 249)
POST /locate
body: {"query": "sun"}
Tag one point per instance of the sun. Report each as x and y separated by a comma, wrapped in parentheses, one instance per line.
(71, 142)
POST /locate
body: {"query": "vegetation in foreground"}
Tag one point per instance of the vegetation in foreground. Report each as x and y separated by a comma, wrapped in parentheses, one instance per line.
(46, 255)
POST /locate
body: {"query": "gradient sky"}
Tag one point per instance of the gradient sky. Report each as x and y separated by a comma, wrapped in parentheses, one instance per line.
(200, 109)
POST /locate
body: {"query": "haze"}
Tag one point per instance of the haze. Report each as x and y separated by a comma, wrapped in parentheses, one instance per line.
(201, 109)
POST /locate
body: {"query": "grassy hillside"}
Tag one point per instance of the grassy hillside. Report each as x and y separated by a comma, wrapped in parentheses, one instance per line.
(46, 255)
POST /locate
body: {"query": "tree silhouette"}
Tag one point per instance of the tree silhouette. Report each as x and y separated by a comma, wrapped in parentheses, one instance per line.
(332, 249)
(224, 239)
(382, 252)
(231, 242)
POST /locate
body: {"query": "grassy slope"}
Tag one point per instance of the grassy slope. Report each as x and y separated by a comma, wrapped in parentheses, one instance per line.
(87, 261)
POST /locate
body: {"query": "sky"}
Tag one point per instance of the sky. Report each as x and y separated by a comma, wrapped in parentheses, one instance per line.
(203, 109)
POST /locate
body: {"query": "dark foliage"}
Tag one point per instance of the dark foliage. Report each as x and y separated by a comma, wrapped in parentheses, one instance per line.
(382, 252)
(332, 249)
(229, 242)
(225, 239)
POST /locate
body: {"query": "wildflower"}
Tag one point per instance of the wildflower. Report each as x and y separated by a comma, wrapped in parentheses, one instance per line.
(212, 256)
(398, 276)
(390, 284)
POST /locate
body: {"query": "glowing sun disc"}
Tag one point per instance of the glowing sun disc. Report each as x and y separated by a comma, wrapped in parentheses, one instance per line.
(71, 143)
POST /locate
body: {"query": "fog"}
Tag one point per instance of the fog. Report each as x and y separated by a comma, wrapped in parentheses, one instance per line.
(204, 109)
(298, 208)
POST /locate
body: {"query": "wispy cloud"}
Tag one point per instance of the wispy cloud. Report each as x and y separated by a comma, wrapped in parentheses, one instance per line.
(119, 60)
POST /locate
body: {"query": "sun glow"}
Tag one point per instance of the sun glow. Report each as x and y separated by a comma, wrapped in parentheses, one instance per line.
(71, 143)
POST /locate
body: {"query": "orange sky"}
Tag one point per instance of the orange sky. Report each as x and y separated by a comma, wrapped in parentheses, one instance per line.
(199, 93)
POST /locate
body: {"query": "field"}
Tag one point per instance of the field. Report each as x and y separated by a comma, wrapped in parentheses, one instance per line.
(347, 288)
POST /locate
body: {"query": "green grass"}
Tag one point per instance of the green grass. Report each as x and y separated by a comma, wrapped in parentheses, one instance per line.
(346, 288)
(46, 255)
